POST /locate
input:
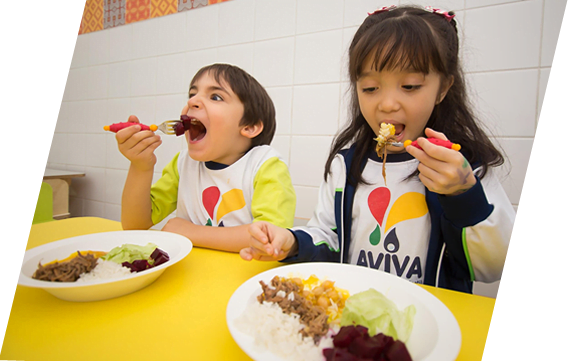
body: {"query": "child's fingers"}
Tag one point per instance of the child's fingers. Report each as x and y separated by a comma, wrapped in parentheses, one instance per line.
(280, 244)
(431, 133)
(246, 254)
(259, 232)
(433, 153)
(125, 134)
(269, 241)
(260, 237)
(133, 119)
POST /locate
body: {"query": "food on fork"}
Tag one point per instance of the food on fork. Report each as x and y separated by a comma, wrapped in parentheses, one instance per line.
(384, 138)
(119, 126)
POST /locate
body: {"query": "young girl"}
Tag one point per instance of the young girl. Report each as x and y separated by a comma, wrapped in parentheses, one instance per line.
(440, 216)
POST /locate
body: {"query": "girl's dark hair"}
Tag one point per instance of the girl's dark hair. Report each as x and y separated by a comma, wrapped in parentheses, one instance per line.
(258, 106)
(413, 38)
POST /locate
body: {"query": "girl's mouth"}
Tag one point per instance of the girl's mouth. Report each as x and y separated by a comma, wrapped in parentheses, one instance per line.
(398, 129)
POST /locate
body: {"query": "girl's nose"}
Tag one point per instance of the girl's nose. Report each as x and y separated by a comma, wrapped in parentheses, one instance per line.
(389, 103)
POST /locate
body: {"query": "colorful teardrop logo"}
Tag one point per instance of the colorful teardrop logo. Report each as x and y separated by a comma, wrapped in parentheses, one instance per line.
(408, 206)
(378, 201)
(210, 197)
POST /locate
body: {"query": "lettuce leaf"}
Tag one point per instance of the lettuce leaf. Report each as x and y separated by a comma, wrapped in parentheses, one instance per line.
(130, 253)
(375, 311)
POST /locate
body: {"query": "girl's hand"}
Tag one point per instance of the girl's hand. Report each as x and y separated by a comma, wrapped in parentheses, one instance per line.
(442, 170)
(138, 146)
(269, 243)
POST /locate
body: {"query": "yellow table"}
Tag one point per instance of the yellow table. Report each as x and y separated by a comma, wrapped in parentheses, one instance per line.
(181, 316)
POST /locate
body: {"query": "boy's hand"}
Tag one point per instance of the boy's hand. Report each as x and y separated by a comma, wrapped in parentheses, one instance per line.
(442, 170)
(269, 243)
(138, 146)
(177, 225)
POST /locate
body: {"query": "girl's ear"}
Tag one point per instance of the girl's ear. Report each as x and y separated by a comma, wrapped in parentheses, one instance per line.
(444, 89)
(251, 131)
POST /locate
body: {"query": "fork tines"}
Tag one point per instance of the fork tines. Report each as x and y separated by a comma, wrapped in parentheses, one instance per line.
(168, 127)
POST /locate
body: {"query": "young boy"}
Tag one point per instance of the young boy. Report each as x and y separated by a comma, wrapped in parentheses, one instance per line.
(229, 176)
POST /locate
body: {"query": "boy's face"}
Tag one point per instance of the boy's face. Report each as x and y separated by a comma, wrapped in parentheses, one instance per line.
(405, 99)
(215, 133)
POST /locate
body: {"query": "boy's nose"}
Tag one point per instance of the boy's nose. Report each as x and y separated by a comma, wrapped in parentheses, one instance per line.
(194, 102)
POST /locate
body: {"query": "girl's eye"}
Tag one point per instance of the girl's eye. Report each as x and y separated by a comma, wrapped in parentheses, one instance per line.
(216, 97)
(191, 95)
(369, 90)
(411, 87)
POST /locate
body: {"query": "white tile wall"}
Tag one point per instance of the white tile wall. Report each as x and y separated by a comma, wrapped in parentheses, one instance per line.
(505, 112)
(505, 36)
(317, 57)
(274, 19)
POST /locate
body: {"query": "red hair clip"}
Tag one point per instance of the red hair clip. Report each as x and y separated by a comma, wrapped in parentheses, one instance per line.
(444, 13)
(384, 8)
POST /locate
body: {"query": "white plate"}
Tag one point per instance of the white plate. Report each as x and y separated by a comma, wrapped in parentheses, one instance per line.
(436, 335)
(176, 246)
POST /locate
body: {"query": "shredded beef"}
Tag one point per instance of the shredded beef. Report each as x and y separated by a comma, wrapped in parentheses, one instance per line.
(312, 317)
(66, 271)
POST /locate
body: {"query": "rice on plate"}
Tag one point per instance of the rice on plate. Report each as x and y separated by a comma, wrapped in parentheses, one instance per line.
(103, 271)
(267, 323)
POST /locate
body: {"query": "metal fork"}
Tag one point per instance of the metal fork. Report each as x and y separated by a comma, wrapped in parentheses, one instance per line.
(168, 127)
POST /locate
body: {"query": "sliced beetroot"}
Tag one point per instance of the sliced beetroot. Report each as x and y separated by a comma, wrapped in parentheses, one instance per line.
(138, 265)
(179, 129)
(365, 347)
(186, 121)
(383, 340)
(347, 334)
(397, 352)
(338, 354)
(159, 257)
(353, 343)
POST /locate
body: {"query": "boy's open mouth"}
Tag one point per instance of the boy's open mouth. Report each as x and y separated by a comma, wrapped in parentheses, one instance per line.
(196, 129)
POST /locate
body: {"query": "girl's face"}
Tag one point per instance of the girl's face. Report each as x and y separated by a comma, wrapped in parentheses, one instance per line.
(215, 133)
(402, 98)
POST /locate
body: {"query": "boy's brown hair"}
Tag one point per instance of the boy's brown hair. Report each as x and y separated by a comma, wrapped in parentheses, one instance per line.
(258, 106)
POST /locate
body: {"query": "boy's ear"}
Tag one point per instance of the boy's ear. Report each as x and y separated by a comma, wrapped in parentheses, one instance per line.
(251, 131)
(446, 85)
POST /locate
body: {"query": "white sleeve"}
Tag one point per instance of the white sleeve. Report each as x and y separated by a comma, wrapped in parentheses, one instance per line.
(487, 241)
(322, 226)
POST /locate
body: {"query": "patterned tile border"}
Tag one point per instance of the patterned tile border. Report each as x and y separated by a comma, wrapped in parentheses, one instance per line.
(106, 14)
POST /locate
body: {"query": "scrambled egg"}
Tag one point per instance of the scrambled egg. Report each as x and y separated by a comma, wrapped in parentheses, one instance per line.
(324, 294)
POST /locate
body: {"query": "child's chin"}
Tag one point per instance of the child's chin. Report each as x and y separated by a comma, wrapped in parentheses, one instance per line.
(198, 156)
